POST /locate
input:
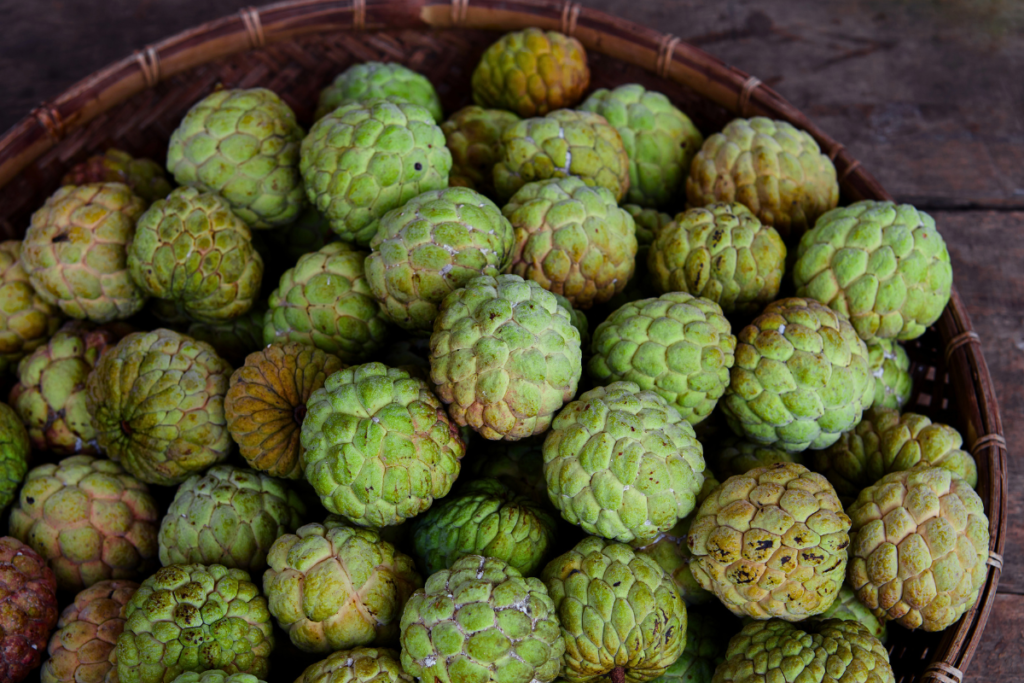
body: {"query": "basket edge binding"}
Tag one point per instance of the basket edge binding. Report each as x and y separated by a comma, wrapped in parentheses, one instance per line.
(665, 55)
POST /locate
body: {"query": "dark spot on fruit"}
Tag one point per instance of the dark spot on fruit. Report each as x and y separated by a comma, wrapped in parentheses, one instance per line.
(63, 237)
(299, 413)
(617, 583)
(764, 545)
(844, 544)
(785, 560)
(574, 571)
(126, 428)
(30, 500)
(418, 166)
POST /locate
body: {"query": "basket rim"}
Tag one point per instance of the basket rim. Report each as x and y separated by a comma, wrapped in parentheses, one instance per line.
(665, 55)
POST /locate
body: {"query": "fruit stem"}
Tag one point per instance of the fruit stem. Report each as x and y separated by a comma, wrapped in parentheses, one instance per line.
(618, 675)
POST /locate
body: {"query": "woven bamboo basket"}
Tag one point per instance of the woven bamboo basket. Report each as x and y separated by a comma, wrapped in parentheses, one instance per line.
(295, 48)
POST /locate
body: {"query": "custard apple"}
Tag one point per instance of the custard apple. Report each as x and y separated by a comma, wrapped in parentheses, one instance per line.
(228, 516)
(27, 320)
(881, 264)
(531, 72)
(886, 441)
(504, 356)
(82, 648)
(432, 245)
(801, 377)
(266, 404)
(193, 251)
(660, 140)
(366, 158)
(775, 169)
(333, 587)
(720, 252)
(486, 518)
(678, 346)
(358, 665)
(243, 145)
(377, 80)
(890, 365)
(50, 394)
(772, 543)
(74, 251)
(621, 615)
(473, 135)
(379, 447)
(831, 651)
(191, 617)
(573, 239)
(919, 547)
(564, 143)
(157, 400)
(622, 463)
(326, 301)
(28, 609)
(481, 621)
(15, 450)
(89, 519)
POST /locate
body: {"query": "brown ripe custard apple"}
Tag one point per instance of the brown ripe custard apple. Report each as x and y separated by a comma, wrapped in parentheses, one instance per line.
(28, 609)
(158, 402)
(920, 546)
(266, 404)
(772, 543)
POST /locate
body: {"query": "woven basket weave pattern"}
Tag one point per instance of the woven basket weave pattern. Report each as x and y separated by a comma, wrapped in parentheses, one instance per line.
(296, 48)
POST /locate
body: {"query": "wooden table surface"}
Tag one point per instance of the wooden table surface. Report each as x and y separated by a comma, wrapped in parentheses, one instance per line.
(928, 94)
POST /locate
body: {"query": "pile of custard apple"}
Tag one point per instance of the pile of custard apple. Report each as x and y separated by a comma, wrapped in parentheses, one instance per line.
(554, 388)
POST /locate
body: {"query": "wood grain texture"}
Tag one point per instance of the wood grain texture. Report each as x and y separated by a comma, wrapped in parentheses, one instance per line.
(924, 92)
